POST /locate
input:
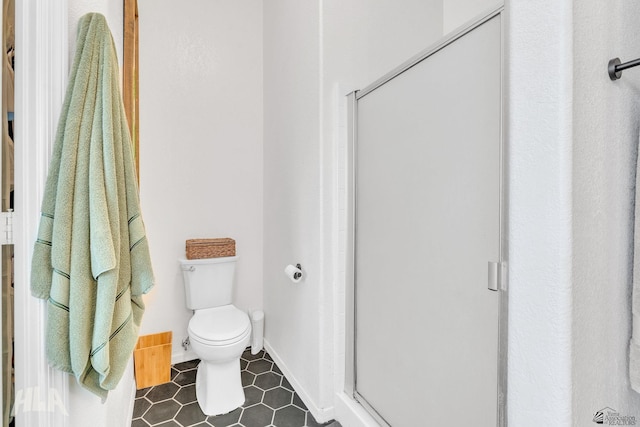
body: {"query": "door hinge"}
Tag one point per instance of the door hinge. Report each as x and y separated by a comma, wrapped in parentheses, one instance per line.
(497, 276)
(6, 227)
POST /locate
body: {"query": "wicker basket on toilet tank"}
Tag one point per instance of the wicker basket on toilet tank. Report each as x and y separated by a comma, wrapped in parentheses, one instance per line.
(210, 248)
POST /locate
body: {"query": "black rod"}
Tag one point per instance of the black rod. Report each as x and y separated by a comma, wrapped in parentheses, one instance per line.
(629, 64)
(615, 67)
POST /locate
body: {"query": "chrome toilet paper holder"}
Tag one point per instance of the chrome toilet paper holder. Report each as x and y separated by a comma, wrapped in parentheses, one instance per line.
(297, 274)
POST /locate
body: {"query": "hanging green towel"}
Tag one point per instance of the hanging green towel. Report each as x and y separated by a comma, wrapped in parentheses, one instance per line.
(91, 260)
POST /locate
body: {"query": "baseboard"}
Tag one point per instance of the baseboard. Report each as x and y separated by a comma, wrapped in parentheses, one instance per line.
(350, 413)
(183, 356)
(321, 415)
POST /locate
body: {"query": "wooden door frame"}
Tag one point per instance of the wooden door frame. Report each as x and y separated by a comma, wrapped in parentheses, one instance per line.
(130, 81)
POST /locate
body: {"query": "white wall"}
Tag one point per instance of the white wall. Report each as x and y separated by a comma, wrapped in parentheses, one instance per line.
(292, 203)
(573, 143)
(458, 12)
(363, 41)
(606, 119)
(200, 145)
(539, 46)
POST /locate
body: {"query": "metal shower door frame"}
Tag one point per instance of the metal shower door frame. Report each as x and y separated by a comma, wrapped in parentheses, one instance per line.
(350, 386)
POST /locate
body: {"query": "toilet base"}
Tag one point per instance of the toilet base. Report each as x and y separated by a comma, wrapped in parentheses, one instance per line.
(219, 387)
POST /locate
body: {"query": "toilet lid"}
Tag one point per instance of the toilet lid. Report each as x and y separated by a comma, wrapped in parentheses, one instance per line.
(219, 325)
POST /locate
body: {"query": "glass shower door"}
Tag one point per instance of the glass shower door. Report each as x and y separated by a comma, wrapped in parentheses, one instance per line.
(428, 225)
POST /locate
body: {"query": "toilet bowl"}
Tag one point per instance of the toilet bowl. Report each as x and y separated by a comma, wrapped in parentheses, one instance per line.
(218, 332)
(218, 336)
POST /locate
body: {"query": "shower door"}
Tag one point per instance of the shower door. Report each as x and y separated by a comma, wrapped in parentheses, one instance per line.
(427, 245)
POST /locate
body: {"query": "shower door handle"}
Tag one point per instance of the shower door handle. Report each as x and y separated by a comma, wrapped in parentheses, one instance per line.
(494, 276)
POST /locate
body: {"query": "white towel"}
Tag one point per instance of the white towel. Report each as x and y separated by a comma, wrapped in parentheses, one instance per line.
(634, 344)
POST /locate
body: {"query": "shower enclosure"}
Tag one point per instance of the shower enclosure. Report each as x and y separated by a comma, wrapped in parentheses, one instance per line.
(428, 300)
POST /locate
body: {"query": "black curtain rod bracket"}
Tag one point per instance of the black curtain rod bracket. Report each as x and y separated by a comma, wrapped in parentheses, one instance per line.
(615, 67)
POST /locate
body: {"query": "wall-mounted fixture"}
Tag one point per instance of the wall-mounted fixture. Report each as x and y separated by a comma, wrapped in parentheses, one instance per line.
(615, 67)
(294, 272)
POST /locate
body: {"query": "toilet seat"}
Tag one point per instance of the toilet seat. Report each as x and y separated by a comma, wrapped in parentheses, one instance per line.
(219, 326)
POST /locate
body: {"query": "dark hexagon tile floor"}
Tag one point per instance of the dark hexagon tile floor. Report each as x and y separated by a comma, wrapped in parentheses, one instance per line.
(270, 400)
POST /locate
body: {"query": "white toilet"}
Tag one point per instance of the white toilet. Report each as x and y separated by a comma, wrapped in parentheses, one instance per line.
(218, 332)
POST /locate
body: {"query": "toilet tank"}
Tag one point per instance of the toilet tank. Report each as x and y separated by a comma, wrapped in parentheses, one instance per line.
(208, 282)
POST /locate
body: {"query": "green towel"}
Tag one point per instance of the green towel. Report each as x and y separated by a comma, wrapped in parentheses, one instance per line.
(91, 260)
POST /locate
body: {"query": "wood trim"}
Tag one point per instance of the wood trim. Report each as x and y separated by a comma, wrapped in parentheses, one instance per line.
(130, 75)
